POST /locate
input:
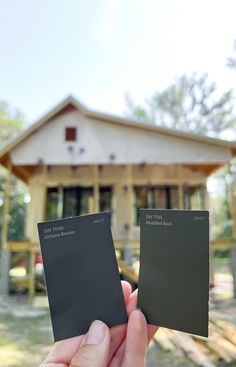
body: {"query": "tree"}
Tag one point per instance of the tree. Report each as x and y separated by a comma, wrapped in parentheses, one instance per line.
(11, 123)
(231, 61)
(194, 104)
(191, 104)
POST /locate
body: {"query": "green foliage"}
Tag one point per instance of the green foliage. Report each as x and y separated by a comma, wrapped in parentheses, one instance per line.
(231, 61)
(220, 215)
(11, 123)
(222, 222)
(17, 212)
(221, 257)
(190, 104)
(138, 112)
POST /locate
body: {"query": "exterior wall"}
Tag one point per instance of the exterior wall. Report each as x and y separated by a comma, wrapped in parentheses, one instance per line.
(108, 174)
(36, 207)
(114, 175)
(98, 141)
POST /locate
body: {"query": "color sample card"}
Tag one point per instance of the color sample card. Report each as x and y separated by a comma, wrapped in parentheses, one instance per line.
(81, 273)
(174, 269)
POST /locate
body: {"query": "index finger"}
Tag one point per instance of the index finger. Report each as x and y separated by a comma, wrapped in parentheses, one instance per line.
(132, 305)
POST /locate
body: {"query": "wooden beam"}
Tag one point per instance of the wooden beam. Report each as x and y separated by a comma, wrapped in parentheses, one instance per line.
(33, 248)
(6, 207)
(31, 270)
(119, 245)
(20, 246)
(205, 199)
(5, 253)
(22, 172)
(128, 272)
(223, 244)
(96, 206)
(207, 168)
(129, 207)
(129, 200)
(232, 205)
(181, 196)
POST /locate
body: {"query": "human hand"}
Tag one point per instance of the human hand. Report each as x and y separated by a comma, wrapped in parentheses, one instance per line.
(122, 345)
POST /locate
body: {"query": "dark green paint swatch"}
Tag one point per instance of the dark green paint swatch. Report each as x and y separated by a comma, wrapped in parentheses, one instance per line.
(174, 269)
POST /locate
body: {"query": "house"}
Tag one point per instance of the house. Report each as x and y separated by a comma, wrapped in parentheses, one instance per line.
(77, 161)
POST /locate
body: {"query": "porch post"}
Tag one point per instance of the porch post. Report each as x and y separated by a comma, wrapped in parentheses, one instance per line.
(205, 203)
(5, 256)
(232, 202)
(96, 189)
(205, 200)
(128, 247)
(181, 196)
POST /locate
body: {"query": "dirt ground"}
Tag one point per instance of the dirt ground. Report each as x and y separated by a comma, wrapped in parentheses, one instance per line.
(26, 337)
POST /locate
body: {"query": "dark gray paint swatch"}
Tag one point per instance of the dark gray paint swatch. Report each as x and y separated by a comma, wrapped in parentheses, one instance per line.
(174, 269)
(81, 272)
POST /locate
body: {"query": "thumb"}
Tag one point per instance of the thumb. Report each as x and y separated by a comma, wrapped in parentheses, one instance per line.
(95, 349)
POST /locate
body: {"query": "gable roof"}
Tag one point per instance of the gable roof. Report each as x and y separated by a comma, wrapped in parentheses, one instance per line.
(71, 102)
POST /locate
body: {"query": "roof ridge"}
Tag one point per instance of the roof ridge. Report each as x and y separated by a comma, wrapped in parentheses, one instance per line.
(71, 99)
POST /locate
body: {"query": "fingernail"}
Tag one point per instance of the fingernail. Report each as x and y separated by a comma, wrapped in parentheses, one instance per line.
(96, 332)
(137, 313)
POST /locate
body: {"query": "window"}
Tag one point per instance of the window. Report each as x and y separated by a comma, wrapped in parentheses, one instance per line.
(70, 207)
(77, 201)
(165, 197)
(70, 133)
(156, 197)
(52, 203)
(194, 197)
(105, 198)
(140, 201)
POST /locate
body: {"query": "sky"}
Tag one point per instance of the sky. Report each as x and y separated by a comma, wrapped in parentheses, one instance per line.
(100, 50)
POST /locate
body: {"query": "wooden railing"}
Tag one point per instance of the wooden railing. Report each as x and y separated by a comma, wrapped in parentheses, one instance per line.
(33, 248)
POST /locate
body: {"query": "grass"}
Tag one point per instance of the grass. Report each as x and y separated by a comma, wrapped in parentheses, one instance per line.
(24, 341)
